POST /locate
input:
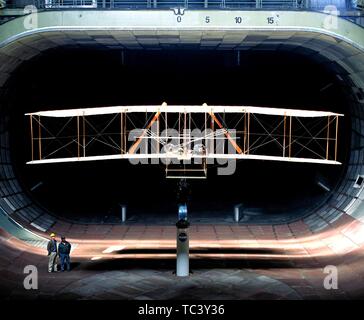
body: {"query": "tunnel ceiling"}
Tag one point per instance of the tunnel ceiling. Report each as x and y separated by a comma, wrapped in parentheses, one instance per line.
(343, 59)
(318, 46)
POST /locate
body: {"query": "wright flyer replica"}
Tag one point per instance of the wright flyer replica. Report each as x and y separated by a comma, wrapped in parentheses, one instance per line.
(185, 138)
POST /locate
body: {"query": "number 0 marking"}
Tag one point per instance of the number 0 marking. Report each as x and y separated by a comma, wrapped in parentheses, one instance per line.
(179, 19)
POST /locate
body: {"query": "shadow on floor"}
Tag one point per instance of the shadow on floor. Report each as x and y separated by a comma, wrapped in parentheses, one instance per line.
(75, 265)
(195, 264)
(200, 251)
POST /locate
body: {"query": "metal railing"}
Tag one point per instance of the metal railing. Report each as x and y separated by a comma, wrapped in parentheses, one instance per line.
(202, 3)
(165, 4)
(191, 4)
(345, 6)
(64, 4)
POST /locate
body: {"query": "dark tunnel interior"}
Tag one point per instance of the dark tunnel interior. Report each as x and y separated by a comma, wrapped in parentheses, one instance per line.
(88, 77)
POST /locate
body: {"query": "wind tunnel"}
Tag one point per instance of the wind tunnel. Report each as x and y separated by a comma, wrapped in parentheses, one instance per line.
(92, 75)
(89, 77)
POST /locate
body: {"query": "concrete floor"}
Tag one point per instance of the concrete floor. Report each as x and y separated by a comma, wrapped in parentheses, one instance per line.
(155, 279)
(228, 262)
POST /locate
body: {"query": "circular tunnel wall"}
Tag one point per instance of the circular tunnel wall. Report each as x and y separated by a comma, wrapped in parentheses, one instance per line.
(84, 77)
(91, 77)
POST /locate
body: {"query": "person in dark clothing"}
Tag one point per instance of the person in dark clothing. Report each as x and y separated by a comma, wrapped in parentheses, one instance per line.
(52, 253)
(64, 250)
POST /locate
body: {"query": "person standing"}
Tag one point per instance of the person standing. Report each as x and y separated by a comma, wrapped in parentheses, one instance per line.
(52, 253)
(64, 250)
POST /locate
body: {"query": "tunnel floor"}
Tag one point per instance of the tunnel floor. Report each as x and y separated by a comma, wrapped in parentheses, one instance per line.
(285, 261)
(140, 283)
(143, 273)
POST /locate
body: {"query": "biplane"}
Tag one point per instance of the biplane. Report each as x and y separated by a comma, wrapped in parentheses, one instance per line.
(185, 138)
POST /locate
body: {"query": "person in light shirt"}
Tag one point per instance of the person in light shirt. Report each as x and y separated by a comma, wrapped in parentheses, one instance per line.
(52, 253)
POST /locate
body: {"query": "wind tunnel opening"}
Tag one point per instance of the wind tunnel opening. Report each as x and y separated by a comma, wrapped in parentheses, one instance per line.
(93, 191)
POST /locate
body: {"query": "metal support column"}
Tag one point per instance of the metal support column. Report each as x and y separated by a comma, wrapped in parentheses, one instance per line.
(336, 133)
(284, 135)
(248, 144)
(328, 138)
(31, 136)
(237, 210)
(290, 136)
(84, 136)
(182, 263)
(39, 138)
(123, 213)
(78, 136)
